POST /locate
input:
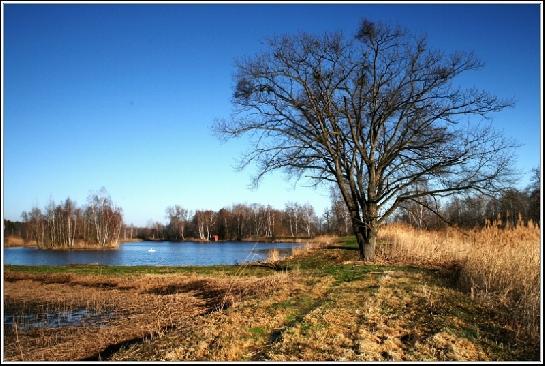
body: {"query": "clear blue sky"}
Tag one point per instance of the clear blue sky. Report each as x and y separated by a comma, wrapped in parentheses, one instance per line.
(123, 96)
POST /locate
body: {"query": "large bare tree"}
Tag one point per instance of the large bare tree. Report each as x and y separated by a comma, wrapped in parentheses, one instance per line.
(375, 114)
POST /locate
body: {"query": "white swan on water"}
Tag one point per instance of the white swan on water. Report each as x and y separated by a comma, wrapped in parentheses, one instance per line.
(151, 250)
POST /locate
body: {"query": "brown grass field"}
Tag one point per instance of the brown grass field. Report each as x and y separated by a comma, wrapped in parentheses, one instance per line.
(430, 296)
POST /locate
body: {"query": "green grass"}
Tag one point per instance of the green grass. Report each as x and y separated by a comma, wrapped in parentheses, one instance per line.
(315, 265)
(349, 273)
(131, 270)
(318, 264)
(258, 331)
(348, 241)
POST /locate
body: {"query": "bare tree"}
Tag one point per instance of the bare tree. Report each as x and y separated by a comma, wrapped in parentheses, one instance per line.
(200, 221)
(36, 226)
(258, 218)
(326, 222)
(293, 213)
(178, 218)
(535, 196)
(106, 219)
(339, 210)
(423, 211)
(209, 221)
(372, 114)
(308, 216)
(223, 223)
(70, 218)
(270, 221)
(240, 215)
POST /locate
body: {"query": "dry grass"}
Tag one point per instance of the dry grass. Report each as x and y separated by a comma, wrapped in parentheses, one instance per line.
(273, 256)
(318, 242)
(133, 307)
(328, 331)
(413, 317)
(302, 250)
(495, 265)
(17, 241)
(322, 240)
(376, 319)
(354, 313)
(241, 332)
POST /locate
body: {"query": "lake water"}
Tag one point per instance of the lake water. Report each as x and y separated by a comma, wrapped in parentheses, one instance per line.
(151, 253)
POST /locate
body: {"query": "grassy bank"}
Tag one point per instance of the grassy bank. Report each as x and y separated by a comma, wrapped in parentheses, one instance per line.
(317, 305)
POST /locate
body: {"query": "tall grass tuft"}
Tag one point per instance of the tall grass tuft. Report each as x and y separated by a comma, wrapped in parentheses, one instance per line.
(273, 255)
(496, 264)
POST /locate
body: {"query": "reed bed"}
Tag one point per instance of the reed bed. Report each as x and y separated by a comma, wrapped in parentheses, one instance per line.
(305, 249)
(17, 241)
(318, 242)
(323, 240)
(496, 264)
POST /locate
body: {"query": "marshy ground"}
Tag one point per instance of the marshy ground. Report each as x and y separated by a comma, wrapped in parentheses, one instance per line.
(319, 305)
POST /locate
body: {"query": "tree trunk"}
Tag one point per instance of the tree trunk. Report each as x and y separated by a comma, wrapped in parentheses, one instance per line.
(367, 240)
(360, 238)
(370, 245)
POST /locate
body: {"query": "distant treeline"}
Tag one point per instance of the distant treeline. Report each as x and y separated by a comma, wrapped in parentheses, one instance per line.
(239, 222)
(100, 223)
(509, 207)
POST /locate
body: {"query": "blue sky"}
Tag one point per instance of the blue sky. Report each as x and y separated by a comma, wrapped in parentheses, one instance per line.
(123, 96)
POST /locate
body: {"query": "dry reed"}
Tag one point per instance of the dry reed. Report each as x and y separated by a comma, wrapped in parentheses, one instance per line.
(273, 255)
(495, 264)
(17, 241)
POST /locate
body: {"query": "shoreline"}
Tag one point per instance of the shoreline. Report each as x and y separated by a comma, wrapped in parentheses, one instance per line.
(17, 242)
(265, 240)
(14, 242)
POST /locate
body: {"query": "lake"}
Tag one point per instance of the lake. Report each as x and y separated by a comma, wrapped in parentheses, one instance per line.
(151, 253)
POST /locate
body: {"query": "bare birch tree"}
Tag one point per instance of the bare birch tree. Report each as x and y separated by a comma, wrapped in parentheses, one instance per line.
(106, 219)
(178, 218)
(308, 217)
(200, 220)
